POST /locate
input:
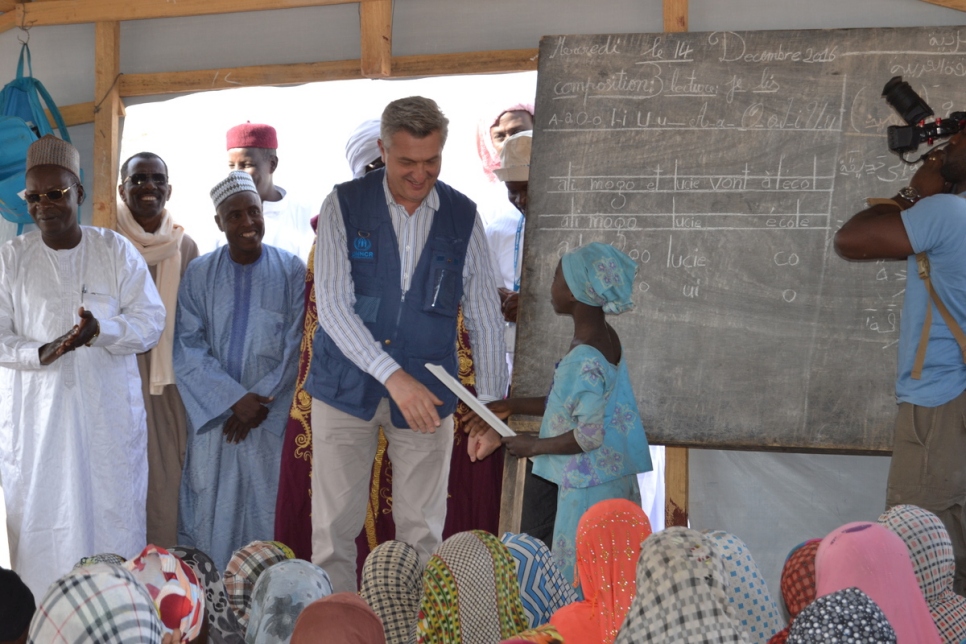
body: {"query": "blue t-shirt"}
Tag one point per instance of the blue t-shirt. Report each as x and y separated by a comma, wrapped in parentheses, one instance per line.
(936, 225)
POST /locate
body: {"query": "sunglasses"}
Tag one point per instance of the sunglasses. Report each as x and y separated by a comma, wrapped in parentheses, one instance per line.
(140, 179)
(52, 195)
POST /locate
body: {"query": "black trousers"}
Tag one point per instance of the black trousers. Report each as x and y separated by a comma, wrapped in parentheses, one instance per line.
(539, 507)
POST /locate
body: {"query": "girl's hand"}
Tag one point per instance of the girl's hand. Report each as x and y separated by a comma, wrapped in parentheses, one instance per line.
(474, 425)
(481, 445)
(523, 445)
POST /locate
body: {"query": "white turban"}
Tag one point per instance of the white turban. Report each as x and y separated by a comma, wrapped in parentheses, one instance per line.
(362, 147)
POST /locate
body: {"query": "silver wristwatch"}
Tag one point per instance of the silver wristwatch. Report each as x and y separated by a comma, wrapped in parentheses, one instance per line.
(909, 194)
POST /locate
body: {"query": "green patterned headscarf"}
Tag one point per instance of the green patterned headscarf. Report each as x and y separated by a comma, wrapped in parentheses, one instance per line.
(600, 275)
(470, 592)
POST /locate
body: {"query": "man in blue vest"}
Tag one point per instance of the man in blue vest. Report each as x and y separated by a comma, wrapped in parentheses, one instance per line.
(397, 253)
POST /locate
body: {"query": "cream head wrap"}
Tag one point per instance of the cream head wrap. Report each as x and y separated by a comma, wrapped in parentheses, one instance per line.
(515, 158)
(362, 148)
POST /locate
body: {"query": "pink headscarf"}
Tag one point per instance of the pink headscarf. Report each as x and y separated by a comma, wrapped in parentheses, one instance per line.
(870, 557)
(484, 144)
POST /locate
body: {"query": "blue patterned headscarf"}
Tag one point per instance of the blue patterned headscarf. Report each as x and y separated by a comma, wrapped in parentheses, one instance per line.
(600, 275)
(748, 594)
(543, 589)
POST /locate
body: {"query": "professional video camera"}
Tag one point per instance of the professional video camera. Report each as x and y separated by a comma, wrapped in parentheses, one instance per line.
(915, 111)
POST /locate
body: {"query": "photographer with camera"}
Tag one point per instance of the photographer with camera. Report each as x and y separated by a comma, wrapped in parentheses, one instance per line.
(925, 224)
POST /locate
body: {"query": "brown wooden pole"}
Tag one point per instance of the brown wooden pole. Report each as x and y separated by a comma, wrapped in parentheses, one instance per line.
(107, 106)
(676, 470)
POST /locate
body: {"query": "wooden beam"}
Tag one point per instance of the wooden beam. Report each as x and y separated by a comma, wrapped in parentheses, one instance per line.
(8, 21)
(231, 77)
(375, 21)
(675, 15)
(107, 66)
(69, 12)
(76, 114)
(485, 62)
(478, 62)
(959, 5)
(270, 75)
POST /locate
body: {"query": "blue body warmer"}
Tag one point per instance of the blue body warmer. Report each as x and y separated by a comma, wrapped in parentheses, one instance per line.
(414, 330)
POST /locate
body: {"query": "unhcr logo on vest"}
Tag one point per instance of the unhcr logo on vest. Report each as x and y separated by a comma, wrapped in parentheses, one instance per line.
(363, 248)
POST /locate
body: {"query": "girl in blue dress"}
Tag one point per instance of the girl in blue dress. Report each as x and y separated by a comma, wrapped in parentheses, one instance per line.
(592, 442)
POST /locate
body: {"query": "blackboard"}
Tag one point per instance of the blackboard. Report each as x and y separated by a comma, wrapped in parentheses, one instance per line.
(724, 163)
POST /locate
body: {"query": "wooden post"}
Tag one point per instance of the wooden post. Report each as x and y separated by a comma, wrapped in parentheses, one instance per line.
(107, 101)
(676, 458)
(511, 505)
(375, 22)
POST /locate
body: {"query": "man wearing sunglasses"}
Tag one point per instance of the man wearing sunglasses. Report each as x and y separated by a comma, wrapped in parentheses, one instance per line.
(142, 217)
(76, 305)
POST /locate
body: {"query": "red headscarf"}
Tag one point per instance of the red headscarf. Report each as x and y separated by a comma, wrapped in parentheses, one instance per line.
(798, 584)
(609, 538)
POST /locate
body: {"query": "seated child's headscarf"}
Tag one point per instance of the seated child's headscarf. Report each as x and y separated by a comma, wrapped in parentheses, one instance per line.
(176, 591)
(97, 603)
(600, 275)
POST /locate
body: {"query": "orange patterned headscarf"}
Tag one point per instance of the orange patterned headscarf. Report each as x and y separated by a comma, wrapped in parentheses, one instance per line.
(609, 538)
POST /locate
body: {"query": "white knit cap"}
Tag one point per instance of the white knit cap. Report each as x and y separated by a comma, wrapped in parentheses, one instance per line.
(236, 182)
(515, 158)
(363, 147)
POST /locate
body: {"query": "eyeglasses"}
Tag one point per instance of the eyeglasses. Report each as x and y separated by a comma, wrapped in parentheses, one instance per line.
(140, 179)
(52, 195)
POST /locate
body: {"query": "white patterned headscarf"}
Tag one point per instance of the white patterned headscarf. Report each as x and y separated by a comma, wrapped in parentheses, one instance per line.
(280, 595)
(99, 603)
(931, 552)
(753, 605)
(681, 593)
(392, 584)
(847, 615)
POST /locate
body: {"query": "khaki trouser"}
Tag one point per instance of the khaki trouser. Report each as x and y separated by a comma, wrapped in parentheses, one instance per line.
(343, 448)
(928, 469)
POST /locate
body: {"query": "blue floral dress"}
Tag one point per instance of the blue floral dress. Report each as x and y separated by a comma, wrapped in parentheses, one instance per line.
(595, 400)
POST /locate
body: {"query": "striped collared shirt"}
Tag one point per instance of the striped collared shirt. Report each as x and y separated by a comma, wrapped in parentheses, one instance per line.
(335, 292)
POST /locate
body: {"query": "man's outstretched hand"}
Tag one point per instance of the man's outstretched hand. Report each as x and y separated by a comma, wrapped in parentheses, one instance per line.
(416, 402)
